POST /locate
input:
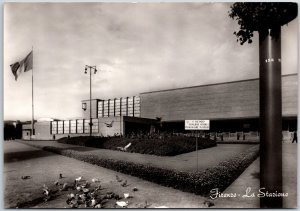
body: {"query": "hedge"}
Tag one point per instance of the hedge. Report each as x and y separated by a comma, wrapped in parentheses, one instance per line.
(168, 146)
(220, 176)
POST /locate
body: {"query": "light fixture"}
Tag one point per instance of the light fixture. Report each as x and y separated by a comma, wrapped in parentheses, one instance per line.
(84, 106)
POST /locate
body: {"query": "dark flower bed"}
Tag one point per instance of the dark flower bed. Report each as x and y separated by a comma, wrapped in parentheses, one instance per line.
(220, 176)
(167, 146)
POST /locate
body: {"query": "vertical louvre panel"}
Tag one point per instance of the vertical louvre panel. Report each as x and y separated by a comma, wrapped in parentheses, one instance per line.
(124, 106)
(100, 108)
(130, 106)
(60, 127)
(54, 127)
(117, 107)
(111, 108)
(86, 126)
(106, 108)
(73, 126)
(66, 127)
(80, 126)
(137, 106)
(95, 127)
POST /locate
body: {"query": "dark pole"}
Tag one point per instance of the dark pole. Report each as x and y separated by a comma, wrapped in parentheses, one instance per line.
(90, 101)
(95, 70)
(270, 116)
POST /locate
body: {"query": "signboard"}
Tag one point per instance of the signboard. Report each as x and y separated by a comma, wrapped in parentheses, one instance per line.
(196, 124)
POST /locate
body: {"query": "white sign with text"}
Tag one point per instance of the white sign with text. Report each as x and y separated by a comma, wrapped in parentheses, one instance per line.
(196, 124)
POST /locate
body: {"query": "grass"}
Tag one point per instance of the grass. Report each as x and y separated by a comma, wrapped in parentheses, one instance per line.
(201, 182)
(168, 146)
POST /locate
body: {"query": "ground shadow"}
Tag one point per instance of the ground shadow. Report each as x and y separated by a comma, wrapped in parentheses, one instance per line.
(25, 155)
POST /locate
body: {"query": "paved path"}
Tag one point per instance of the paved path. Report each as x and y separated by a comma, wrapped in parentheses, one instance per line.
(250, 179)
(185, 162)
(45, 167)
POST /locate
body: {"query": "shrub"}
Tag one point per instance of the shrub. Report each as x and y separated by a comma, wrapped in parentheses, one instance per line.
(168, 146)
(220, 176)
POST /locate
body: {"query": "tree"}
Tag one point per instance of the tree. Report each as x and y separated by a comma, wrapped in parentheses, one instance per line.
(267, 18)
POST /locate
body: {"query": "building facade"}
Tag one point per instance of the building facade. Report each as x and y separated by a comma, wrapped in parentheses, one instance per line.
(232, 107)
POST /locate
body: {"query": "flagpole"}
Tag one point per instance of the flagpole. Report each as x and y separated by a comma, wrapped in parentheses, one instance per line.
(32, 121)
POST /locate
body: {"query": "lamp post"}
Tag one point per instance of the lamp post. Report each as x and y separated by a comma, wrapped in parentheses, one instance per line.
(87, 67)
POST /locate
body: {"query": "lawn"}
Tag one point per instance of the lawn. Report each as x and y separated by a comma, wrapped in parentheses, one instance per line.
(218, 166)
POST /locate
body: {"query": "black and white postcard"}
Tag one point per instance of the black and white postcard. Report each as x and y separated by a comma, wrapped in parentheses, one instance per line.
(150, 105)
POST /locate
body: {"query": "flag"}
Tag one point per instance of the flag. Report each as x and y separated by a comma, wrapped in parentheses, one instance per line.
(23, 66)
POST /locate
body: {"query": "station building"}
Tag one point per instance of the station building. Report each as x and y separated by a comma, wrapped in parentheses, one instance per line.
(231, 107)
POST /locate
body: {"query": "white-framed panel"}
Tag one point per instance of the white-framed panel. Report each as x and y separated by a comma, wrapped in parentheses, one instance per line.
(106, 108)
(117, 107)
(66, 126)
(111, 108)
(54, 127)
(60, 127)
(80, 126)
(73, 126)
(100, 108)
(124, 106)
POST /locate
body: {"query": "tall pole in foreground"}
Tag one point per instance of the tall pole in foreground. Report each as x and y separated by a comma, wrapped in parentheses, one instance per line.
(95, 71)
(270, 116)
(267, 18)
(32, 121)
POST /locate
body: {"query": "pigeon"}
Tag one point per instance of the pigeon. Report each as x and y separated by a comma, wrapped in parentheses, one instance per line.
(98, 206)
(78, 188)
(126, 195)
(85, 185)
(146, 205)
(78, 179)
(85, 190)
(95, 180)
(64, 187)
(109, 195)
(56, 183)
(83, 197)
(26, 177)
(124, 184)
(46, 192)
(135, 189)
(98, 188)
(60, 176)
(122, 203)
(71, 196)
(208, 203)
(118, 178)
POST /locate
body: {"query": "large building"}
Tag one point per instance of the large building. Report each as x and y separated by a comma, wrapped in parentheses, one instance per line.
(232, 107)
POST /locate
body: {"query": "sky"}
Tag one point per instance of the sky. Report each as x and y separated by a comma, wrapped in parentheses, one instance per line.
(137, 47)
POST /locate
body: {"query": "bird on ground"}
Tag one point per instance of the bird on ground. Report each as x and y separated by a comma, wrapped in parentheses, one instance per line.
(78, 179)
(124, 184)
(118, 178)
(208, 203)
(122, 203)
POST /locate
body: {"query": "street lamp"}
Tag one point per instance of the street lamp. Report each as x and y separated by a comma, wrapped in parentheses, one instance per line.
(87, 67)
